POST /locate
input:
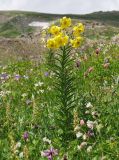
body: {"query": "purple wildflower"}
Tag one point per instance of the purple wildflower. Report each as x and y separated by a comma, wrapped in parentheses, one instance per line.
(17, 77)
(90, 133)
(26, 136)
(46, 74)
(49, 153)
(4, 76)
(78, 64)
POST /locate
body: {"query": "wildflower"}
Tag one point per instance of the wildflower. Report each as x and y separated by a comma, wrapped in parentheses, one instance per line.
(51, 43)
(24, 95)
(82, 145)
(49, 153)
(97, 51)
(95, 114)
(106, 60)
(55, 30)
(46, 140)
(25, 136)
(76, 42)
(46, 74)
(90, 69)
(84, 136)
(87, 112)
(79, 134)
(28, 101)
(65, 22)
(4, 76)
(78, 64)
(89, 149)
(4, 93)
(61, 40)
(90, 124)
(78, 29)
(25, 77)
(82, 122)
(89, 105)
(17, 77)
(79, 147)
(106, 65)
(21, 155)
(18, 145)
(77, 128)
(41, 91)
(90, 133)
(38, 84)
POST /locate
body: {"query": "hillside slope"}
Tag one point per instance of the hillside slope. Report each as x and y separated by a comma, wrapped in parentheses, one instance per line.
(15, 23)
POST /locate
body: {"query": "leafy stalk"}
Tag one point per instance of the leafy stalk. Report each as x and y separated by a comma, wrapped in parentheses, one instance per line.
(65, 89)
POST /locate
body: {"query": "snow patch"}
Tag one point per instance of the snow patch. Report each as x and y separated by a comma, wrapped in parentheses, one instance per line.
(39, 24)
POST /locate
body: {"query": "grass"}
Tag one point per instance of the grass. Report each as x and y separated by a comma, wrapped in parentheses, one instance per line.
(28, 102)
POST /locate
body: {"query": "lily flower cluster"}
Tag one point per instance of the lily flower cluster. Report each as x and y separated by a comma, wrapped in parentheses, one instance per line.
(59, 36)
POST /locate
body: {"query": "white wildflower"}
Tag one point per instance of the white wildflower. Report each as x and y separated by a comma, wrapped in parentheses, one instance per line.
(89, 149)
(82, 145)
(87, 112)
(18, 145)
(77, 128)
(79, 134)
(42, 91)
(79, 147)
(21, 155)
(38, 84)
(46, 140)
(89, 105)
(24, 95)
(84, 137)
(90, 124)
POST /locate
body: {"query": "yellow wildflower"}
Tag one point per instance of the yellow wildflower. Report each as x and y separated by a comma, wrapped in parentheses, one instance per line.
(55, 30)
(61, 40)
(65, 40)
(51, 43)
(78, 29)
(76, 42)
(65, 22)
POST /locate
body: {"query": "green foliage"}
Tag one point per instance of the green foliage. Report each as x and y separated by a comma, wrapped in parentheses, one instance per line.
(64, 85)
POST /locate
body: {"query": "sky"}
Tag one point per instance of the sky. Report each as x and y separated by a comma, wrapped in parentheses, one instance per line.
(60, 6)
